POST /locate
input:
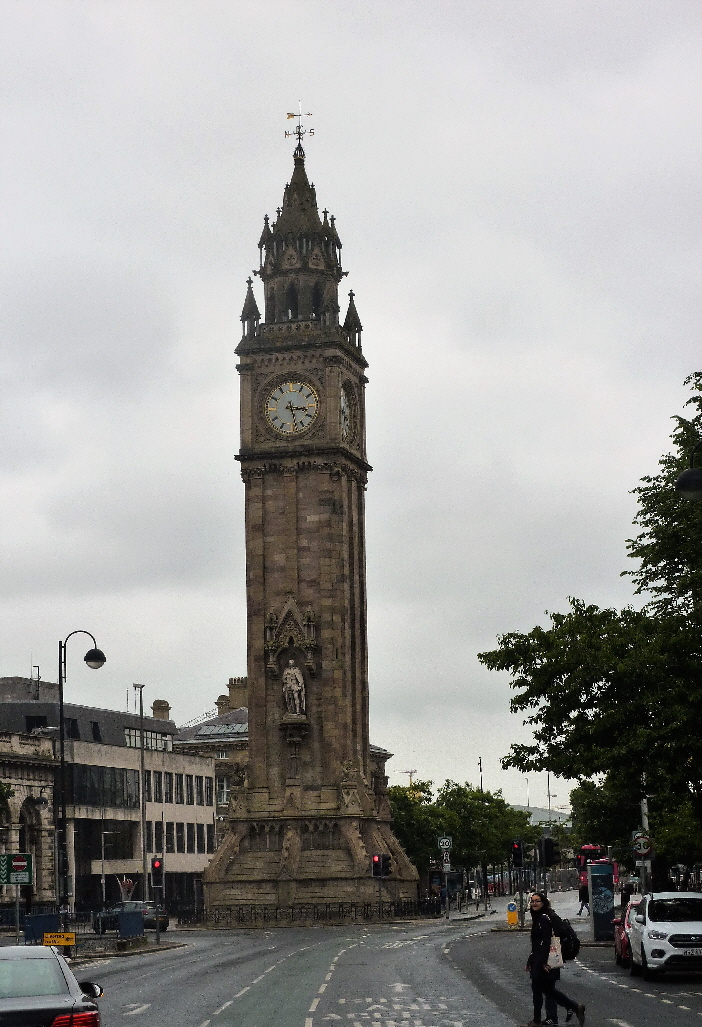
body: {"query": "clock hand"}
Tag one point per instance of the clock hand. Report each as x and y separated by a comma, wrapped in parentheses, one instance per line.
(292, 410)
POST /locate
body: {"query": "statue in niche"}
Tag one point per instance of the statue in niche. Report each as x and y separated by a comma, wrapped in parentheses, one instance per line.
(294, 689)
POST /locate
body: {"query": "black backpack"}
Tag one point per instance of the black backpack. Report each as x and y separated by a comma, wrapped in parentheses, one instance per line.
(570, 942)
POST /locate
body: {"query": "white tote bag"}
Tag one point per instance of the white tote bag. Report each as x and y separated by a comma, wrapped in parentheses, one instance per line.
(555, 957)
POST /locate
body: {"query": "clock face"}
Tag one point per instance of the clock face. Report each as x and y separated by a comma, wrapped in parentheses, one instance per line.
(292, 407)
(345, 415)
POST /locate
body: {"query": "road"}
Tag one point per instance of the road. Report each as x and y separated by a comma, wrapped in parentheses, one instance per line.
(423, 974)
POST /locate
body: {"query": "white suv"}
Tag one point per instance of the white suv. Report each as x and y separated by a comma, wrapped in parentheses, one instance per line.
(666, 933)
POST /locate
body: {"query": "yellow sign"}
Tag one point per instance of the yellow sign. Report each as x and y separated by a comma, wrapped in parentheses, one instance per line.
(67, 938)
(512, 914)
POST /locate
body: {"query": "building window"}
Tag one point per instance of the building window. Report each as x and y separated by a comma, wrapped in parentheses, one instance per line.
(158, 786)
(95, 730)
(222, 791)
(70, 728)
(210, 838)
(158, 740)
(208, 791)
(191, 837)
(200, 832)
(170, 837)
(179, 788)
(158, 836)
(32, 723)
(149, 836)
(199, 791)
(147, 785)
(180, 837)
(167, 786)
(115, 787)
(222, 754)
(189, 793)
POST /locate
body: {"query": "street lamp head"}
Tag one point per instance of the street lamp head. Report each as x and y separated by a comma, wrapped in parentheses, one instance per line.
(689, 484)
(95, 658)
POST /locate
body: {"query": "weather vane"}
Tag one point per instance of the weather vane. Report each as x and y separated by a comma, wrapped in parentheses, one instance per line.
(300, 131)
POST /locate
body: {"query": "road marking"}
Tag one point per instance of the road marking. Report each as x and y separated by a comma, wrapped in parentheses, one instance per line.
(620, 1023)
(204, 1023)
(308, 1022)
(322, 989)
(222, 1008)
(139, 1009)
(243, 990)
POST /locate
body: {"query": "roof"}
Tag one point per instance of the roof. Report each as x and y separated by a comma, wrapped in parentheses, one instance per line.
(13, 718)
(232, 726)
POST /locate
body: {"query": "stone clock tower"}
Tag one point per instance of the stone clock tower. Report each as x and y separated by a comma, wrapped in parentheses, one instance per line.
(313, 808)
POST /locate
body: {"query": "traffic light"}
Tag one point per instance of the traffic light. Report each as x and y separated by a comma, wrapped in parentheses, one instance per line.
(377, 864)
(157, 871)
(385, 862)
(551, 852)
(517, 851)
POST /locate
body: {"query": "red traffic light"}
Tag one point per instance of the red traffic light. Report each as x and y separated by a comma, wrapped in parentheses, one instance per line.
(156, 864)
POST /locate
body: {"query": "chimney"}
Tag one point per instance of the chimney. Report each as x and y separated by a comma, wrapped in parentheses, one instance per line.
(222, 705)
(160, 710)
(238, 693)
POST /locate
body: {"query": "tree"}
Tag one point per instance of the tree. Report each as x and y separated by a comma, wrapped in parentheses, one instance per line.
(481, 824)
(617, 692)
(416, 822)
(669, 546)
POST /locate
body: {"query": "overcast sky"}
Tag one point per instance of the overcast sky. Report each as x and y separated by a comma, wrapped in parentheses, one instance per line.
(516, 185)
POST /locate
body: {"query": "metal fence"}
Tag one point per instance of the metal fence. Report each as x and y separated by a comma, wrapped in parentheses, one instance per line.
(305, 913)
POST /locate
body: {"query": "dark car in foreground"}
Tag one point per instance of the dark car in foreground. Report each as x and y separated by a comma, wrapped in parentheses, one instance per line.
(38, 989)
(106, 919)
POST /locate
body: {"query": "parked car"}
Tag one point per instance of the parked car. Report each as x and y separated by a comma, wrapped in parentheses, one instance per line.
(622, 930)
(38, 989)
(666, 933)
(106, 919)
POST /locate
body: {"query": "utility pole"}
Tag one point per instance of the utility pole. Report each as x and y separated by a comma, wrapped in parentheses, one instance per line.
(644, 825)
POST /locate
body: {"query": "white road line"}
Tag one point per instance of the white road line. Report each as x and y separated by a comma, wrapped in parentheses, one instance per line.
(204, 1023)
(222, 1008)
(620, 1023)
(139, 1009)
(322, 989)
(315, 1003)
(240, 993)
(308, 1022)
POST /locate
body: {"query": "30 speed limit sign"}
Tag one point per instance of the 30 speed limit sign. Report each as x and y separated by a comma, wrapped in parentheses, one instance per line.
(642, 845)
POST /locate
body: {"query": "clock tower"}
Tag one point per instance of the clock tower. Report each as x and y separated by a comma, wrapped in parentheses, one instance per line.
(313, 808)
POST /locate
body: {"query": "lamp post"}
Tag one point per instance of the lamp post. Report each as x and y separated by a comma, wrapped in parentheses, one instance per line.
(95, 659)
(142, 794)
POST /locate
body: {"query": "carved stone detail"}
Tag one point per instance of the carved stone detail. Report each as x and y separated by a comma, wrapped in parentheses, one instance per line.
(290, 624)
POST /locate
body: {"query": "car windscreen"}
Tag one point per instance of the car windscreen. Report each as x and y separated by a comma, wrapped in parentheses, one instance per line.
(675, 911)
(29, 978)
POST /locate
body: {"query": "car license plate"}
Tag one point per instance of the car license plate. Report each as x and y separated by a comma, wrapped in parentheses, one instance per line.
(692, 952)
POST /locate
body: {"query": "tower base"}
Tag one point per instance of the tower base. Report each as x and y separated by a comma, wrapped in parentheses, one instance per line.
(287, 861)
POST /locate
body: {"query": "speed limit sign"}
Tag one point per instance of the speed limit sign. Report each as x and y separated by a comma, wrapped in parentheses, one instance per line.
(642, 845)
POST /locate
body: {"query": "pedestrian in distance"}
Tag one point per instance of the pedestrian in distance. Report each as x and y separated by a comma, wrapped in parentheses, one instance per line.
(584, 896)
(543, 978)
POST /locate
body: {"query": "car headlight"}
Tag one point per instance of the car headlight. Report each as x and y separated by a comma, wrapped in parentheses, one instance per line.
(657, 935)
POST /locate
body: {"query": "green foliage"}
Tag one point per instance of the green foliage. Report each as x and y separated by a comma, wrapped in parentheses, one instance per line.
(617, 693)
(416, 822)
(669, 546)
(481, 824)
(607, 814)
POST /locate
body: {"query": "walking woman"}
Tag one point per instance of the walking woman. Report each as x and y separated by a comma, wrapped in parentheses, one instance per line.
(543, 980)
